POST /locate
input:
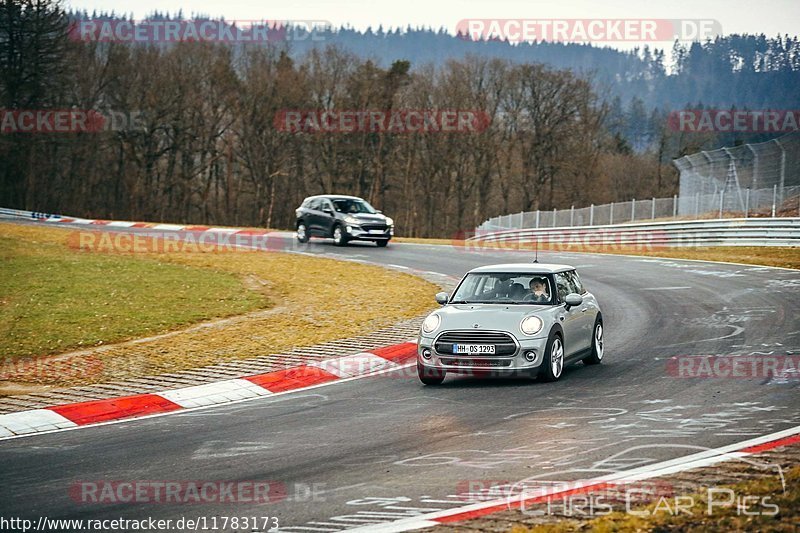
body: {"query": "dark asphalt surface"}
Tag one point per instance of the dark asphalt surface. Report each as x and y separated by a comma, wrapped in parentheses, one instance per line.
(386, 447)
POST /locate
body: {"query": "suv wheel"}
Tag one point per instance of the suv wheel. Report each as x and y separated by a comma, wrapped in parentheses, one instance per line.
(339, 238)
(302, 232)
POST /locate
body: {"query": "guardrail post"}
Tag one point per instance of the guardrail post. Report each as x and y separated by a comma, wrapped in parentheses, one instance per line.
(653, 208)
(521, 219)
(696, 203)
(554, 216)
(747, 203)
(572, 216)
(783, 167)
(774, 198)
(721, 201)
(537, 219)
(591, 215)
(633, 210)
(674, 205)
(611, 216)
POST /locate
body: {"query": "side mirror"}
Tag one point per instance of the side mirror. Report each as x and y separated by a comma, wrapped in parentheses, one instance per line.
(379, 212)
(442, 297)
(328, 211)
(573, 300)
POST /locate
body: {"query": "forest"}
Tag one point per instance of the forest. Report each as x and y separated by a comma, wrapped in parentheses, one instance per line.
(567, 124)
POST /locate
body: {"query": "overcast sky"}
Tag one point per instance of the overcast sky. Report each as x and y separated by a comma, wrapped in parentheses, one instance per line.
(735, 16)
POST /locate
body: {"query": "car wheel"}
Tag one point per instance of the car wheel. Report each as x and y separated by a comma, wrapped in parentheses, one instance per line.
(382, 244)
(339, 238)
(302, 232)
(598, 344)
(553, 364)
(430, 376)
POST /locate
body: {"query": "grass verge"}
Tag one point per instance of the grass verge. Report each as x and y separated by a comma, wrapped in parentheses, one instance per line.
(54, 298)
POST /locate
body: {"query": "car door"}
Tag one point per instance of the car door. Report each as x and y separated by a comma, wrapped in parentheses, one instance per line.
(570, 319)
(327, 217)
(313, 216)
(588, 311)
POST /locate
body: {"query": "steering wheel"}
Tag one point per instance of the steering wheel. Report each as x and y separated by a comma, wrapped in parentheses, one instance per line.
(535, 298)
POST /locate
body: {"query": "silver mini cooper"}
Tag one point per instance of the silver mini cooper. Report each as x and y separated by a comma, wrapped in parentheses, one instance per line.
(529, 319)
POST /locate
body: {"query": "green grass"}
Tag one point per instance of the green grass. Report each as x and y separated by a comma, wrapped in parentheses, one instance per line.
(56, 298)
(53, 299)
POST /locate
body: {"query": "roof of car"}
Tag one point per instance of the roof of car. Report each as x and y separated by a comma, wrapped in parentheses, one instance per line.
(334, 197)
(524, 268)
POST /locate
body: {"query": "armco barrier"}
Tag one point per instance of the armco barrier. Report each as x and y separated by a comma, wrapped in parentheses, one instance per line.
(783, 231)
(29, 215)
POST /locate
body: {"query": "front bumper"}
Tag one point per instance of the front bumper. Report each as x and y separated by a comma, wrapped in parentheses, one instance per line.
(361, 234)
(491, 364)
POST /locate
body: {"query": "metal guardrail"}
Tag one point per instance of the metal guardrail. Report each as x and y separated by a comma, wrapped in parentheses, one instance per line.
(783, 231)
(29, 215)
(720, 232)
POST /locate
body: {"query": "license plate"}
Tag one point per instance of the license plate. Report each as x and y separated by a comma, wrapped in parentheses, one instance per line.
(473, 349)
(376, 231)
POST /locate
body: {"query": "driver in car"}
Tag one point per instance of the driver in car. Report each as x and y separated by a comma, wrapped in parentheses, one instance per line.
(538, 287)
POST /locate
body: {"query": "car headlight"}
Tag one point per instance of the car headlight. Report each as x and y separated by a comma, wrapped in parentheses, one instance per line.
(531, 325)
(389, 221)
(352, 220)
(431, 323)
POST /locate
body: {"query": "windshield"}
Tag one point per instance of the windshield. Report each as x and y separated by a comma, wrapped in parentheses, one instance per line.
(347, 205)
(505, 288)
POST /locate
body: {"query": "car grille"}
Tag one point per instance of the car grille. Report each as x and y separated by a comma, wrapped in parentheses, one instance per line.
(503, 342)
(369, 227)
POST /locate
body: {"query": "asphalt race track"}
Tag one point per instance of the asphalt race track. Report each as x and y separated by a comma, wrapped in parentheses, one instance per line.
(385, 447)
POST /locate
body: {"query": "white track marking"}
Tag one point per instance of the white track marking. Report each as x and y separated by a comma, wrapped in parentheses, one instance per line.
(214, 393)
(34, 421)
(120, 224)
(224, 230)
(168, 227)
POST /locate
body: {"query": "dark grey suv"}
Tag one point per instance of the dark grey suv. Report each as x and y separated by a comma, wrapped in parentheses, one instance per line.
(342, 218)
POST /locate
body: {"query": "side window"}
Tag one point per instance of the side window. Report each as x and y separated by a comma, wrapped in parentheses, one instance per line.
(314, 204)
(562, 285)
(576, 282)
